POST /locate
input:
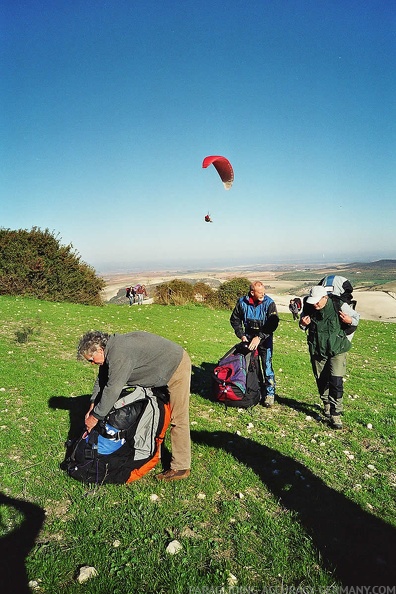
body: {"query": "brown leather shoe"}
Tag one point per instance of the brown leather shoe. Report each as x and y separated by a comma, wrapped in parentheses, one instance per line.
(173, 475)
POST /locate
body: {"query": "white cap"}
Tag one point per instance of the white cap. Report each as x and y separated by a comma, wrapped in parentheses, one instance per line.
(316, 293)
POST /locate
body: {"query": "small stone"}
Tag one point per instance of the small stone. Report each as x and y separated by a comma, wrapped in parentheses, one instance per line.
(232, 580)
(174, 547)
(369, 426)
(86, 573)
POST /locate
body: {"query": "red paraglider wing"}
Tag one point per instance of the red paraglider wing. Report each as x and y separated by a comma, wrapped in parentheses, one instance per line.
(223, 167)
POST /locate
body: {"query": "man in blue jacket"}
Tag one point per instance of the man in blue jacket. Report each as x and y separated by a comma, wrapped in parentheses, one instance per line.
(254, 320)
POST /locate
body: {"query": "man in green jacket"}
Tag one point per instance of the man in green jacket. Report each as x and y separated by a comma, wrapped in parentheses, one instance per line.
(148, 360)
(330, 323)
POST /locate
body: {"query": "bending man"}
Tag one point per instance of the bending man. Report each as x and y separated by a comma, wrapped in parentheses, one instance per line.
(148, 360)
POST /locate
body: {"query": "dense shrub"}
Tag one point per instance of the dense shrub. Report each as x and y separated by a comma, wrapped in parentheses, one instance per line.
(178, 292)
(34, 263)
(174, 292)
(230, 291)
(203, 292)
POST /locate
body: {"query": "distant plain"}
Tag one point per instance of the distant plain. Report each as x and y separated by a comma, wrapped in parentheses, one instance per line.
(374, 283)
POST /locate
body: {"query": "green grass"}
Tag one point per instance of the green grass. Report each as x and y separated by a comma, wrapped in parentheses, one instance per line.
(288, 502)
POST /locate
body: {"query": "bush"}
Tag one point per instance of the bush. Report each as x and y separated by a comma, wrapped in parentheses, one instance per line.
(175, 292)
(35, 264)
(203, 292)
(230, 291)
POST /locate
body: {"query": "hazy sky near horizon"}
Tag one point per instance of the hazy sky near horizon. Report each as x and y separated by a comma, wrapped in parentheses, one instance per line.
(109, 107)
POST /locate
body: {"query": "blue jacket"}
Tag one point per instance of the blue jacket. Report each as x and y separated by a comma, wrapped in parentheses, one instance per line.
(254, 319)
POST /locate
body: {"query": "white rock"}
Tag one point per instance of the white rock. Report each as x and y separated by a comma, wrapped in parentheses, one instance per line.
(232, 580)
(369, 426)
(174, 547)
(86, 573)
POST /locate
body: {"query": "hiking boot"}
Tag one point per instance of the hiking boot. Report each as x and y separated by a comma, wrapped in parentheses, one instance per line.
(269, 401)
(326, 410)
(173, 475)
(336, 422)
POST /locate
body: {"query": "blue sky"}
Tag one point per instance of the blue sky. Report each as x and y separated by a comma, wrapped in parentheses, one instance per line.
(107, 109)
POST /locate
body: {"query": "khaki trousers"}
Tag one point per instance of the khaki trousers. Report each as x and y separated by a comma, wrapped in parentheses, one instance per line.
(179, 390)
(329, 373)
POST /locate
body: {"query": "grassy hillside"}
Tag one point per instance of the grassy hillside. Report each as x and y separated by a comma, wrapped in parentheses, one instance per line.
(276, 498)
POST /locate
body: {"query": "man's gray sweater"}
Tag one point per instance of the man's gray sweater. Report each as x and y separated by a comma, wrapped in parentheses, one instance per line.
(133, 359)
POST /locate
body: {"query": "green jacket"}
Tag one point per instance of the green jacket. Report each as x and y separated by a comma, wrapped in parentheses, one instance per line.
(326, 337)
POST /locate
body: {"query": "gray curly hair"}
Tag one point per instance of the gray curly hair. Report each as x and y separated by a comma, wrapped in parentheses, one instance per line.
(90, 342)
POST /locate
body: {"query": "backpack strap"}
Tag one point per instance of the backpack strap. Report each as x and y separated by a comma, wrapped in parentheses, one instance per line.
(338, 302)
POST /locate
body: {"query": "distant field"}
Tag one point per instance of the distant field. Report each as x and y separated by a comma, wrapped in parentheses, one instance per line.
(363, 276)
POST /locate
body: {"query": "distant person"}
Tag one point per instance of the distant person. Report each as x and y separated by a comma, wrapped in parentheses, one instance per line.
(293, 309)
(254, 320)
(330, 324)
(148, 360)
(131, 295)
(141, 293)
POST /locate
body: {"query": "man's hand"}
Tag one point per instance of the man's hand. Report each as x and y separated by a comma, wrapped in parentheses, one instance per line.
(305, 321)
(89, 410)
(254, 343)
(90, 422)
(345, 318)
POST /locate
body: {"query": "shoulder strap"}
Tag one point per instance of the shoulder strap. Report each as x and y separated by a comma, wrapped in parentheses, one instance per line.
(130, 394)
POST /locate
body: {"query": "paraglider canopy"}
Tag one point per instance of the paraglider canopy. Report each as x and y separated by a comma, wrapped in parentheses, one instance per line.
(223, 167)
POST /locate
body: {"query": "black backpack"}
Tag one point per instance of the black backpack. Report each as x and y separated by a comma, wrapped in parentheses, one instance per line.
(127, 444)
(236, 379)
